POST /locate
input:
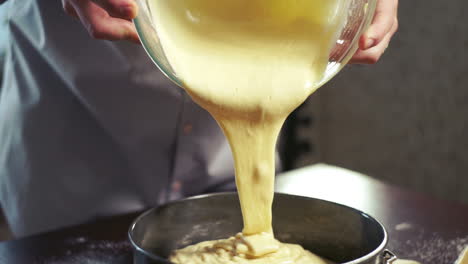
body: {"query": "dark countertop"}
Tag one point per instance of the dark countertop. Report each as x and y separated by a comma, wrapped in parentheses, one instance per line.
(420, 227)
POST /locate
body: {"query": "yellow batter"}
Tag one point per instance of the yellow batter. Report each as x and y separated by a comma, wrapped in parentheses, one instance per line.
(236, 250)
(463, 258)
(250, 63)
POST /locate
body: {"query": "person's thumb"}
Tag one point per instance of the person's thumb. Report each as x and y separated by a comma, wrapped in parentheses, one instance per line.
(125, 9)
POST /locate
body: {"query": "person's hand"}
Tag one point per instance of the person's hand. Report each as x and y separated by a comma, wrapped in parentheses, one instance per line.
(376, 39)
(105, 19)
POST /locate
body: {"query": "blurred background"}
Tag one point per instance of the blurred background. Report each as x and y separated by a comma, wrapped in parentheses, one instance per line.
(404, 120)
(4, 232)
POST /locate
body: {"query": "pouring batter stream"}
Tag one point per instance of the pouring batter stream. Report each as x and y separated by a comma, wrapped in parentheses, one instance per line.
(249, 63)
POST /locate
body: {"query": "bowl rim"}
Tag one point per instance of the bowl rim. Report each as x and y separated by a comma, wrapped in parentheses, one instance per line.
(374, 253)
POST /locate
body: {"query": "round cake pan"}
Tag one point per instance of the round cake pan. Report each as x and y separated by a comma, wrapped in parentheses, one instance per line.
(333, 231)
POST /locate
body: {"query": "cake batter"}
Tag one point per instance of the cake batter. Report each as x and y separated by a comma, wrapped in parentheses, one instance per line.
(249, 63)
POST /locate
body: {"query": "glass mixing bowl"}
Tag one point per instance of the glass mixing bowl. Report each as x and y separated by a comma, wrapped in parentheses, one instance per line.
(360, 14)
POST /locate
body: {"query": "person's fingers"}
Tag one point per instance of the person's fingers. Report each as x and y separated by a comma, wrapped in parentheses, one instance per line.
(126, 9)
(133, 36)
(101, 25)
(384, 18)
(372, 55)
(69, 9)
